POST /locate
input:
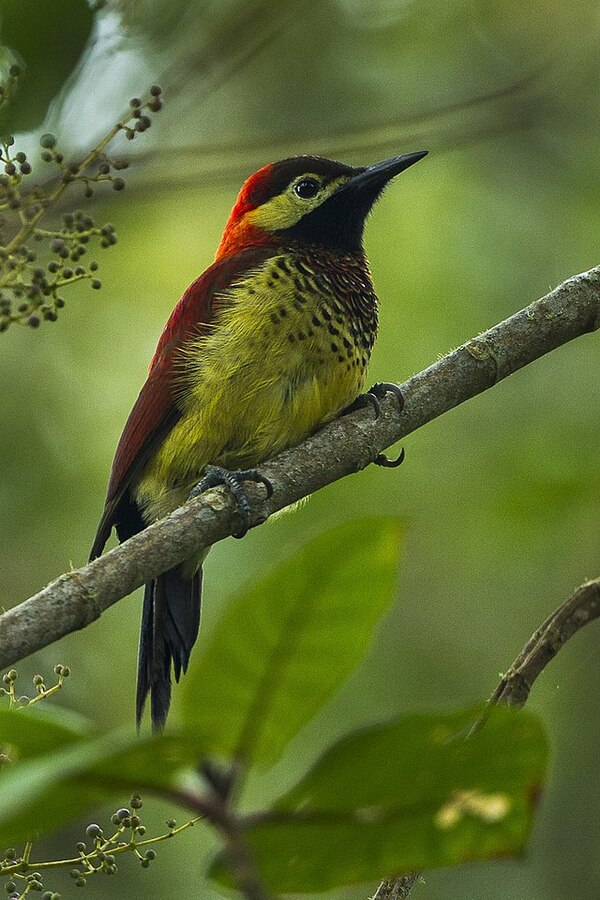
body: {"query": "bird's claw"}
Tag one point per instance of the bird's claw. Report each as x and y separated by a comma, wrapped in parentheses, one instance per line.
(215, 476)
(374, 395)
(381, 388)
(372, 398)
(382, 460)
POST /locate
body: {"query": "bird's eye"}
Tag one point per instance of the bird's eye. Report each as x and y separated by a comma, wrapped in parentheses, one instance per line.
(307, 188)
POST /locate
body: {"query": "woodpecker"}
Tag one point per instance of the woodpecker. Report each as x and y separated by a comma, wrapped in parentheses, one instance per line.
(268, 344)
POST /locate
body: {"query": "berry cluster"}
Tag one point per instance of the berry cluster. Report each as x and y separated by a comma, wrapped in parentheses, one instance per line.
(42, 691)
(97, 854)
(32, 279)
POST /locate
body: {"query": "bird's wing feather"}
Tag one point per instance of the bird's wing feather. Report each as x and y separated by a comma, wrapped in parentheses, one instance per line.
(155, 411)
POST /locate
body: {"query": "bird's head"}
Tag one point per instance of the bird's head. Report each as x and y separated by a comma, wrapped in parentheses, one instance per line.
(308, 199)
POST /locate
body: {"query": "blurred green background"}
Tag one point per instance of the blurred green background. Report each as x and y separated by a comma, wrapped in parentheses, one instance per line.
(499, 497)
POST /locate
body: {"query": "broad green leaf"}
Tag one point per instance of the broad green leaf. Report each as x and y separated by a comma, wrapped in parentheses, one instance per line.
(282, 649)
(46, 38)
(33, 732)
(56, 772)
(404, 797)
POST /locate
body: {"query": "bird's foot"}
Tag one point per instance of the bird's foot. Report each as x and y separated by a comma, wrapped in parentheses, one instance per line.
(372, 398)
(374, 395)
(234, 480)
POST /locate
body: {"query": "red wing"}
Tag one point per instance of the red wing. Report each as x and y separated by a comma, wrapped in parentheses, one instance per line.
(155, 411)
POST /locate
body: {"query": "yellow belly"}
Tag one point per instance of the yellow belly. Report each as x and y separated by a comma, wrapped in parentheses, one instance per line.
(269, 372)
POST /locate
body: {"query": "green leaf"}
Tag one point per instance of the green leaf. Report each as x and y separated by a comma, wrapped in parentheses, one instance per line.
(46, 38)
(404, 797)
(282, 649)
(57, 772)
(34, 732)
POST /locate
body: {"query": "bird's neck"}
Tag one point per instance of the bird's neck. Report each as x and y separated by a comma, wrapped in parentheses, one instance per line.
(241, 235)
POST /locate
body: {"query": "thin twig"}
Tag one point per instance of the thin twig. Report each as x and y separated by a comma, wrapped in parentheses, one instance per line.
(344, 446)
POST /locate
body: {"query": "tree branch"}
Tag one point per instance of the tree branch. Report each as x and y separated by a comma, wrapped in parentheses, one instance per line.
(344, 446)
(397, 888)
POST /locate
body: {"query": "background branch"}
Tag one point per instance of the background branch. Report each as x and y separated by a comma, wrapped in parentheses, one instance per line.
(576, 612)
(514, 688)
(344, 446)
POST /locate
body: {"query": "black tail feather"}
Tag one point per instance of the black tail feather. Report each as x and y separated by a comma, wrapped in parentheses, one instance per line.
(170, 622)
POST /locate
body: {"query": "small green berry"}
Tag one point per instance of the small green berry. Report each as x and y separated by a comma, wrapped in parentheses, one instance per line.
(48, 140)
